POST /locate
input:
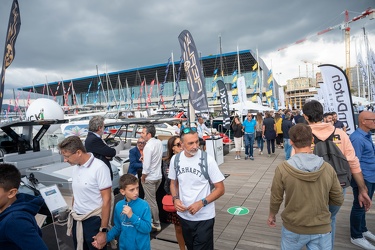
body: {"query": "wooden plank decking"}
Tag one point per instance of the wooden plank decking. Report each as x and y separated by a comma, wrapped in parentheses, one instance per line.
(249, 186)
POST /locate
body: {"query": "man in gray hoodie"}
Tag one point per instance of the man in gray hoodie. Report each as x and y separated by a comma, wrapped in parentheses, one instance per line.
(310, 184)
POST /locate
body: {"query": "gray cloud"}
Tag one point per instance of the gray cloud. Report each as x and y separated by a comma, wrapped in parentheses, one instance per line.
(66, 38)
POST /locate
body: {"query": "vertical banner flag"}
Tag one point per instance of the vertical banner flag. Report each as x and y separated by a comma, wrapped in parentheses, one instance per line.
(337, 85)
(224, 103)
(10, 41)
(194, 73)
(241, 86)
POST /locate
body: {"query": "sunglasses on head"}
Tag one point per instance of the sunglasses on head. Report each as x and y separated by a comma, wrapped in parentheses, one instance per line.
(189, 130)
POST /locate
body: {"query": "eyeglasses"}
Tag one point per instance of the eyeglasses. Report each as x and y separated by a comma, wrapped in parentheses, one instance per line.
(68, 156)
(189, 130)
(141, 143)
(178, 144)
(373, 120)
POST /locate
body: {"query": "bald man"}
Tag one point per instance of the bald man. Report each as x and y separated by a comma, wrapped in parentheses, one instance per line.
(365, 151)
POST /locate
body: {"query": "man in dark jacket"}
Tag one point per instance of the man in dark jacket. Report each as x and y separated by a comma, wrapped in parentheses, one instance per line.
(18, 228)
(94, 143)
(285, 126)
(135, 157)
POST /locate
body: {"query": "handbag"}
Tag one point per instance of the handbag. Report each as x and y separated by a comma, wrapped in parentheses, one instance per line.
(167, 202)
(259, 134)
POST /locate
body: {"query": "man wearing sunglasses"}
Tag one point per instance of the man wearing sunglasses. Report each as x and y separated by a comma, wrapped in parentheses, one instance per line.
(249, 128)
(191, 191)
(365, 151)
(136, 157)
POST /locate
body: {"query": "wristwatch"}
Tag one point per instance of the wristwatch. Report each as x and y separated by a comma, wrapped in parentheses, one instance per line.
(205, 202)
(103, 229)
(176, 197)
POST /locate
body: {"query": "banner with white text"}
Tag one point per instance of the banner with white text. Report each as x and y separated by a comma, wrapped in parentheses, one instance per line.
(338, 92)
(224, 103)
(194, 73)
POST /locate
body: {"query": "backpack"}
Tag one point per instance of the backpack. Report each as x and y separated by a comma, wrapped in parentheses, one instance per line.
(203, 164)
(332, 154)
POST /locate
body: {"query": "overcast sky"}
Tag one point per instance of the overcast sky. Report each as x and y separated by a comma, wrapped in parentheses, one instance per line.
(67, 39)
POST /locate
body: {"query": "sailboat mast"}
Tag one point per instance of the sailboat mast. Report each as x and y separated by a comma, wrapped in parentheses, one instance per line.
(369, 94)
(173, 73)
(47, 86)
(238, 62)
(221, 58)
(259, 78)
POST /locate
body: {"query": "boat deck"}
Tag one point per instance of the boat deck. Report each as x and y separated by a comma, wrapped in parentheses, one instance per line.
(249, 186)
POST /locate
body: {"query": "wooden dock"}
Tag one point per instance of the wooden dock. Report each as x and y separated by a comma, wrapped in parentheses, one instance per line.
(249, 186)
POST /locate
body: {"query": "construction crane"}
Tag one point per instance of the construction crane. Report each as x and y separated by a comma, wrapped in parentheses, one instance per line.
(347, 47)
(343, 26)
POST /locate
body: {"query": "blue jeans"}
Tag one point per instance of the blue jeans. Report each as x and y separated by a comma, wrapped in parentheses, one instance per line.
(334, 210)
(358, 214)
(249, 144)
(260, 142)
(287, 148)
(291, 241)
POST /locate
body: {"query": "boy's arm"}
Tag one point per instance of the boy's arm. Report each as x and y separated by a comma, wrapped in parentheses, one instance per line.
(277, 196)
(277, 193)
(142, 223)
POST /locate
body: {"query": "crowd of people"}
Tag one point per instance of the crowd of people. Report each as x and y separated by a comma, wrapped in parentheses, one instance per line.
(194, 181)
(92, 208)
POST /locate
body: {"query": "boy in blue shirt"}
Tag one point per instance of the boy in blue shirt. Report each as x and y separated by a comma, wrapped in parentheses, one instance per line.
(132, 218)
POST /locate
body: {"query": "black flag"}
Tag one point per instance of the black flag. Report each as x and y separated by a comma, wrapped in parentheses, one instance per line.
(224, 103)
(194, 72)
(10, 40)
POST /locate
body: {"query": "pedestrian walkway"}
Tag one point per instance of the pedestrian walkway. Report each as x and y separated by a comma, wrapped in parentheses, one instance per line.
(249, 185)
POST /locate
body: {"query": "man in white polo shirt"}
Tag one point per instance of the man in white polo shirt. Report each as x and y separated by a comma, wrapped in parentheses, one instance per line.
(91, 184)
(151, 173)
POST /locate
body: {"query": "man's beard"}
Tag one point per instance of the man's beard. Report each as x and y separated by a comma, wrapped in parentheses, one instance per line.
(192, 152)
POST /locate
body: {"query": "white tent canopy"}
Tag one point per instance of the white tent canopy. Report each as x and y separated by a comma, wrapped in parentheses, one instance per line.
(248, 106)
(358, 100)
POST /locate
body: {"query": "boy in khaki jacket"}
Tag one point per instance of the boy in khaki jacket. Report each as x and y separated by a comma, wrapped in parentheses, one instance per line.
(310, 185)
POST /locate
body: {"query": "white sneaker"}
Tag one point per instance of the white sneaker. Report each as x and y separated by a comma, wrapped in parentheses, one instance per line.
(156, 226)
(236, 158)
(363, 243)
(368, 235)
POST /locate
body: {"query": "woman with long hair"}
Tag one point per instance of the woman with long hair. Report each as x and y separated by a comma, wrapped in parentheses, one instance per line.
(259, 132)
(173, 147)
(269, 132)
(237, 130)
